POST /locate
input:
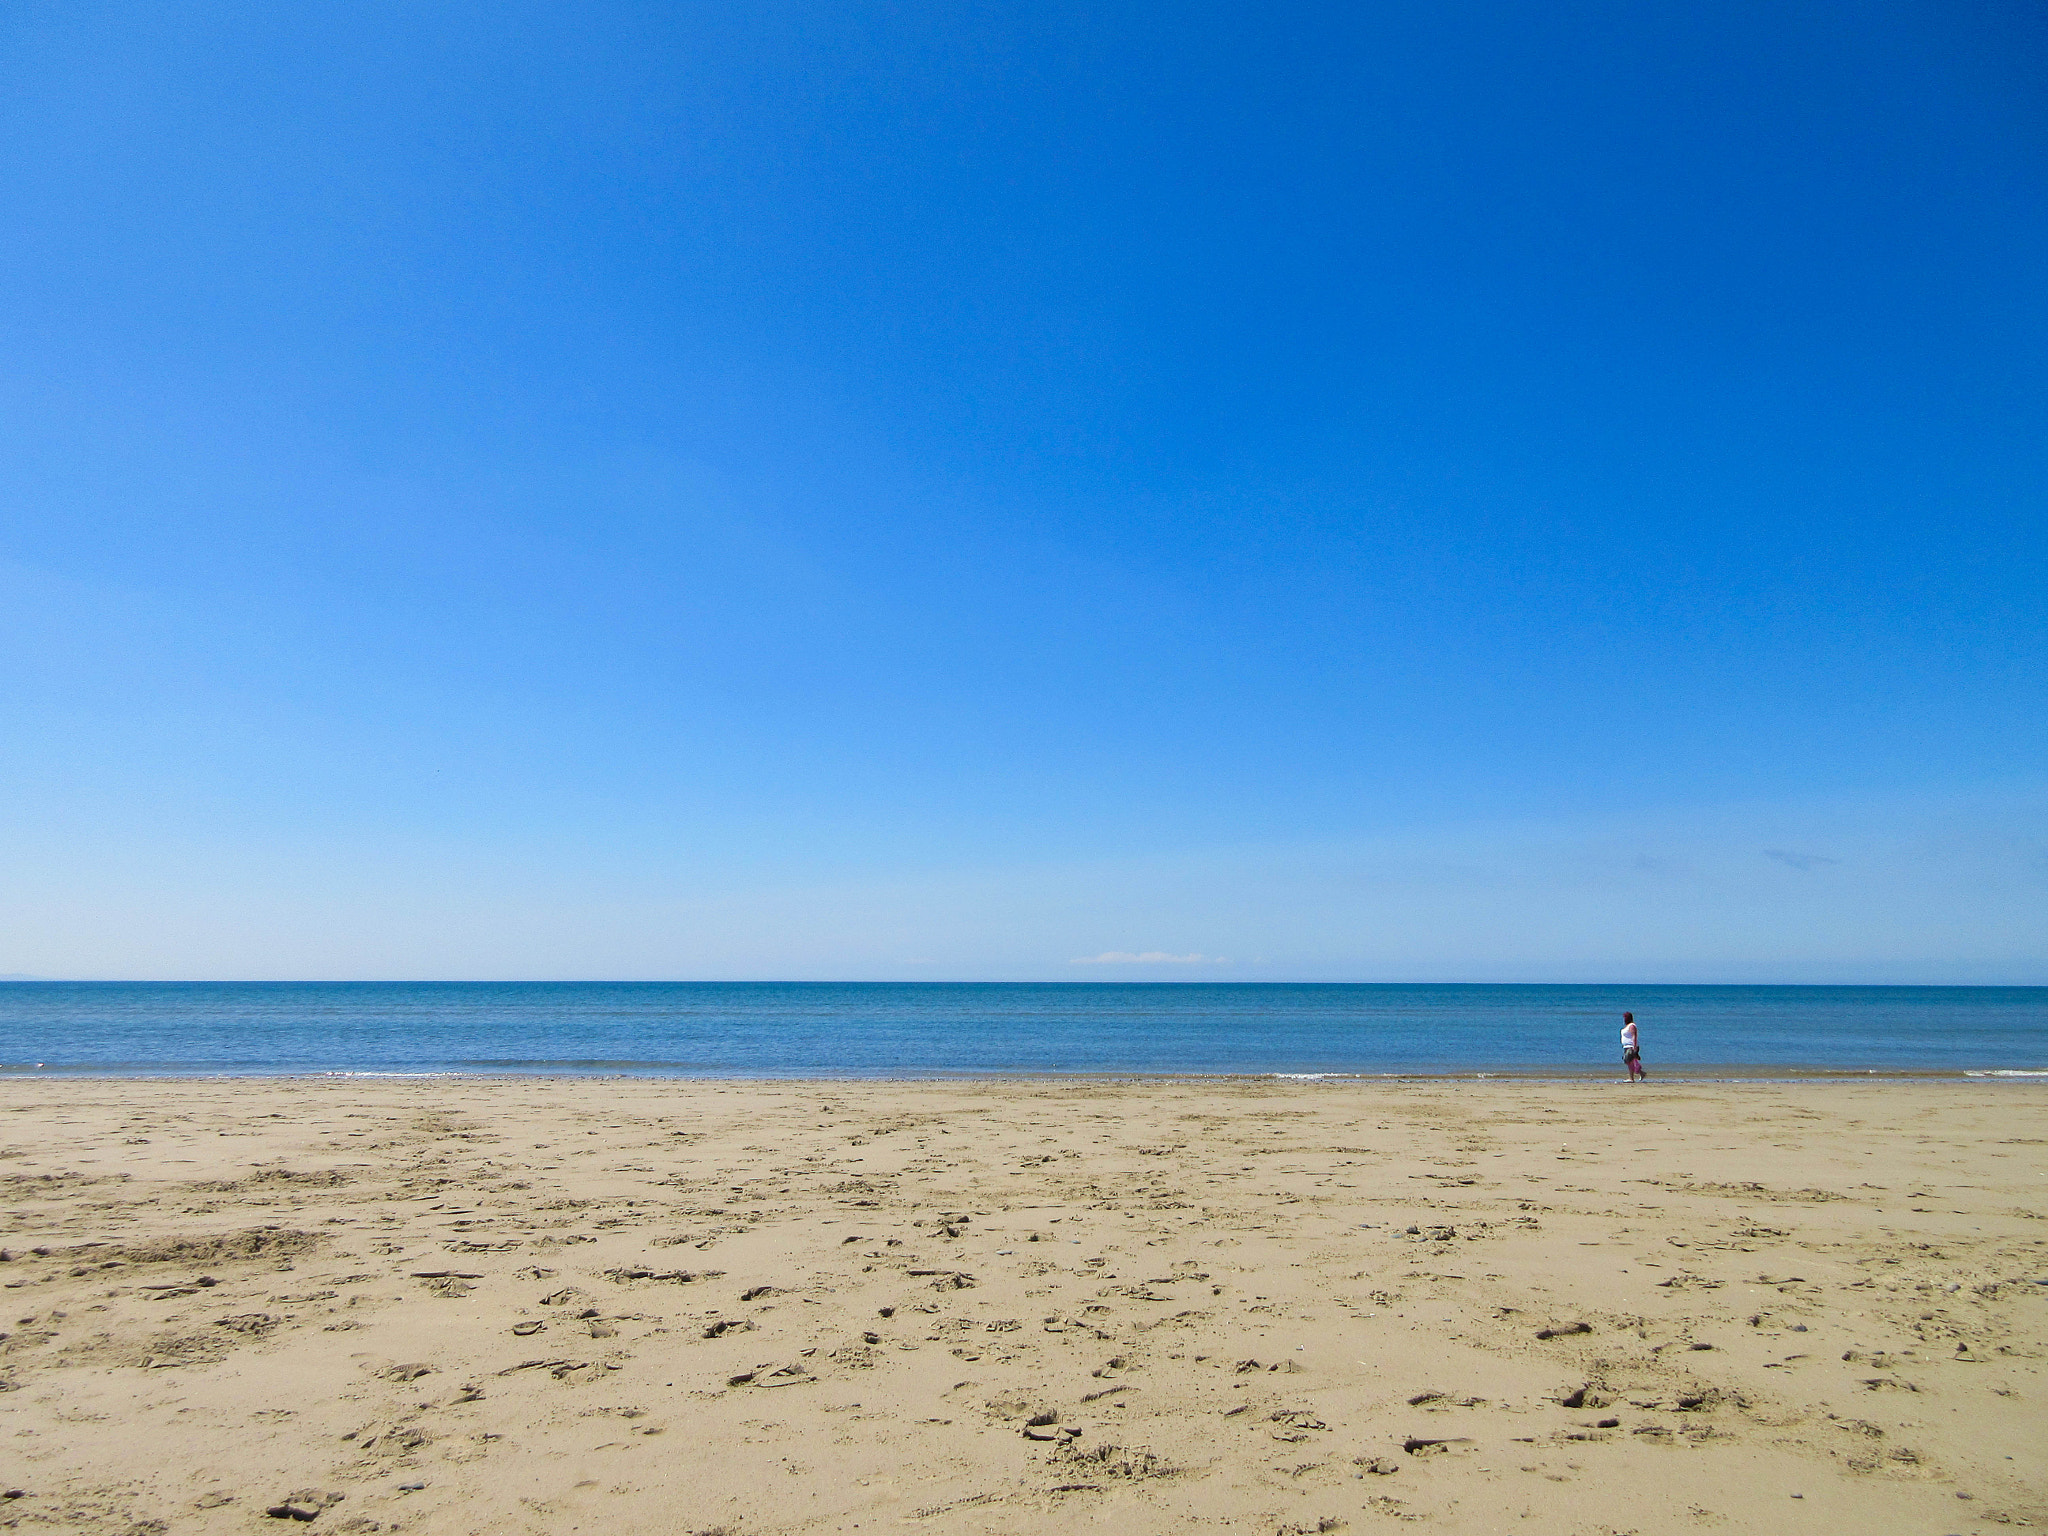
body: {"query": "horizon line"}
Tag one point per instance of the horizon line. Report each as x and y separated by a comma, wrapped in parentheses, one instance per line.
(926, 981)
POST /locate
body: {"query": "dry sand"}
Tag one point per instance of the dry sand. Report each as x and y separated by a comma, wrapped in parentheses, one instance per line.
(1153, 1306)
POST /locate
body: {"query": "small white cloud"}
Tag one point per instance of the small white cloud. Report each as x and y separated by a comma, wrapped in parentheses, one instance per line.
(1149, 957)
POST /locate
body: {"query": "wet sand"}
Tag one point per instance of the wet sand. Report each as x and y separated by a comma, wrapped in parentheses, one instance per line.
(466, 1305)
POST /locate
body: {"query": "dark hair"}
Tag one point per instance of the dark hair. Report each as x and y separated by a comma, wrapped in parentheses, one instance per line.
(1628, 1018)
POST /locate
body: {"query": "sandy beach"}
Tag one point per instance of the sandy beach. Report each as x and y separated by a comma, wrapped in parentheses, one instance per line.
(466, 1305)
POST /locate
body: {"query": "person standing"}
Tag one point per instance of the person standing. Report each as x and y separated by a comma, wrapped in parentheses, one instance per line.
(1632, 1048)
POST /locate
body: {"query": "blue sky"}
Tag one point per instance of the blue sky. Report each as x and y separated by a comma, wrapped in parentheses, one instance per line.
(1377, 492)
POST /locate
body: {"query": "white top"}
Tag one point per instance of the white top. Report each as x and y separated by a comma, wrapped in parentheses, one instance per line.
(1628, 1035)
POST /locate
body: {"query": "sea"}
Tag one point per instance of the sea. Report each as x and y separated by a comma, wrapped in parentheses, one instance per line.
(937, 1029)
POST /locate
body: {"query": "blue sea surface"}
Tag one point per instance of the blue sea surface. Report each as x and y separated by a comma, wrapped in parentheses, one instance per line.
(885, 1029)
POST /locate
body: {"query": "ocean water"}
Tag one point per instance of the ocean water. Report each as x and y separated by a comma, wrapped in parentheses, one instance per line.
(830, 1029)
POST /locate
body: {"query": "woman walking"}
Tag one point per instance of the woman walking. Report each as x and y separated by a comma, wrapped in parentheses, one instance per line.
(1632, 1048)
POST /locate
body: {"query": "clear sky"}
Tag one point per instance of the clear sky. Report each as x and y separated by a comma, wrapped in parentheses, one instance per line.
(1365, 491)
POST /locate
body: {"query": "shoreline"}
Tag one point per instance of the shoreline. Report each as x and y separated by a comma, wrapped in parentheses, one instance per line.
(1672, 1073)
